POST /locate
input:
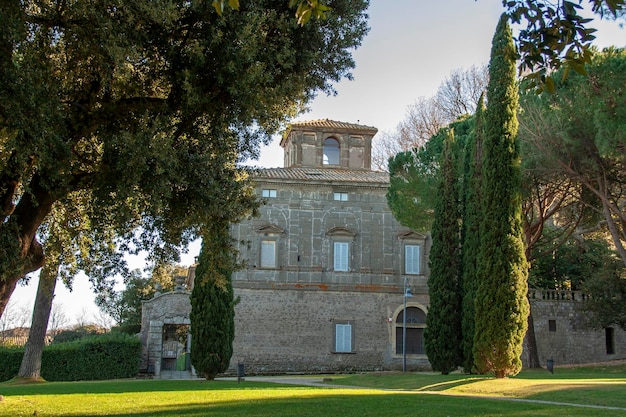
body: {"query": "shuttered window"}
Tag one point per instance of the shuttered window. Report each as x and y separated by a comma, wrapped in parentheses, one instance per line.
(343, 338)
(412, 259)
(341, 256)
(268, 254)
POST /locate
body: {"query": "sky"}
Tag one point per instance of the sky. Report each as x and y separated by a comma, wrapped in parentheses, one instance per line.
(412, 47)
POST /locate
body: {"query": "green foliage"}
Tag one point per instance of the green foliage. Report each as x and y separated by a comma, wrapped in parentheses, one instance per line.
(414, 176)
(212, 302)
(96, 357)
(147, 111)
(442, 336)
(556, 35)
(108, 356)
(572, 264)
(607, 291)
(411, 190)
(470, 234)
(305, 9)
(501, 297)
(77, 333)
(125, 306)
(589, 265)
(10, 360)
(579, 134)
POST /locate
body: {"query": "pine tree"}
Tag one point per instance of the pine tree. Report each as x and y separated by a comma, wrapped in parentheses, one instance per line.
(443, 331)
(471, 234)
(212, 303)
(501, 304)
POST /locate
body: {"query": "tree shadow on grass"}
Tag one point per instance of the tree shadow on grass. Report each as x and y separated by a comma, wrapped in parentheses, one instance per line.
(445, 385)
(354, 405)
(125, 386)
(229, 399)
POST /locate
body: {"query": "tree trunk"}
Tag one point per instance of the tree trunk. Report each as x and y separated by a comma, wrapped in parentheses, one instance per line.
(531, 343)
(31, 361)
(25, 254)
(613, 229)
(31, 260)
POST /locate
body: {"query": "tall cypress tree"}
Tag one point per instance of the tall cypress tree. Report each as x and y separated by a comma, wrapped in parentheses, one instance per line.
(442, 336)
(212, 303)
(501, 304)
(470, 235)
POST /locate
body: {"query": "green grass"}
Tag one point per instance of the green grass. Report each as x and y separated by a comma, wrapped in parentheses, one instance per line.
(386, 394)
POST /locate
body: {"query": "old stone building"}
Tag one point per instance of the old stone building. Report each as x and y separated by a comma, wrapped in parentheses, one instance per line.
(327, 265)
(327, 262)
(330, 271)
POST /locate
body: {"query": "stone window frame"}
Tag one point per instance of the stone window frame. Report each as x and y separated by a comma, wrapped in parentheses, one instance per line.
(412, 239)
(409, 268)
(267, 253)
(269, 233)
(343, 236)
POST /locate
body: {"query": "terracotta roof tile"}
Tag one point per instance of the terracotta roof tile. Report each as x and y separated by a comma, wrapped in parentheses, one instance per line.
(332, 124)
(324, 174)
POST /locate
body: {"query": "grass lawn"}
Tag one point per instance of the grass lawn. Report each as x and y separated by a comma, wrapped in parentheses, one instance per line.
(385, 394)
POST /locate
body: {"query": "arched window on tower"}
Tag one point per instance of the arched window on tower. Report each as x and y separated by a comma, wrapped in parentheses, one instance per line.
(415, 325)
(331, 152)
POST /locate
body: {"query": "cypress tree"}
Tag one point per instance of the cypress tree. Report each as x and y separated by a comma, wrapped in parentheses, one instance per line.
(471, 234)
(442, 336)
(212, 303)
(501, 304)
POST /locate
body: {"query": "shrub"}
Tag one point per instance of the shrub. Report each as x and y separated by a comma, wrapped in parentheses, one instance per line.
(10, 360)
(109, 356)
(77, 333)
(131, 329)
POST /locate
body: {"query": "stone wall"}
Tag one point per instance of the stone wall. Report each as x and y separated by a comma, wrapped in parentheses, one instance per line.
(168, 308)
(564, 333)
(293, 330)
(281, 328)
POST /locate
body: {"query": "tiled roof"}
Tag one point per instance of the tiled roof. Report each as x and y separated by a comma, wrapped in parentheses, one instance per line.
(332, 124)
(324, 174)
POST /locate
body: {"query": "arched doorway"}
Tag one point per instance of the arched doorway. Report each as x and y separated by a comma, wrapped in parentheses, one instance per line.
(415, 325)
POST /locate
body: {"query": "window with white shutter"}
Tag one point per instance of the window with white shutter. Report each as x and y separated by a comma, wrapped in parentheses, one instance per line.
(341, 256)
(343, 338)
(412, 259)
(268, 254)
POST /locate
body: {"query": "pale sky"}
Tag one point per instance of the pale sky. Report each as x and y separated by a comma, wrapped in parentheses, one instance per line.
(413, 45)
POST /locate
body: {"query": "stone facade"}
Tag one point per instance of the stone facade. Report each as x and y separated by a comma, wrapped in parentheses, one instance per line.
(327, 269)
(564, 333)
(326, 256)
(293, 330)
(327, 264)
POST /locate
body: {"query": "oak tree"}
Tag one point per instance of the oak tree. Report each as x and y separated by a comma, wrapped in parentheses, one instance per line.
(135, 104)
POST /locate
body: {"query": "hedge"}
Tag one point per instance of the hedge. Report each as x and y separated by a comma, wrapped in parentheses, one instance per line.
(10, 361)
(109, 356)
